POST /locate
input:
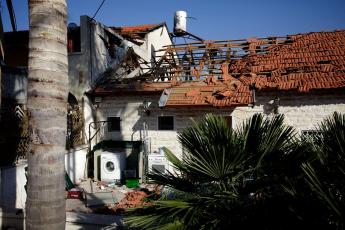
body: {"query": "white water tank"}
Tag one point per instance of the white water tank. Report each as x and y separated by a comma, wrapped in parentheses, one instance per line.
(180, 21)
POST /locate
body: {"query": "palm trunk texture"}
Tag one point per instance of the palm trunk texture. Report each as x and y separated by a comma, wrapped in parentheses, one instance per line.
(47, 100)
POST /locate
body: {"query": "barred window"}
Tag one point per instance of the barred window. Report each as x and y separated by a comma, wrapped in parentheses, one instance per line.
(114, 124)
(166, 123)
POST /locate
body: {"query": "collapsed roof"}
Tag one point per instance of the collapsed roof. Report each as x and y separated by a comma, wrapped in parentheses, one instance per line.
(226, 73)
(136, 33)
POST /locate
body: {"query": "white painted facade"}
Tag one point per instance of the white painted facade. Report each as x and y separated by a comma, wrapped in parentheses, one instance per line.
(76, 164)
(12, 190)
(87, 65)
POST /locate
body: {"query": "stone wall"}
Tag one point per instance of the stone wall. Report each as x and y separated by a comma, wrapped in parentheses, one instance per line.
(303, 112)
(128, 108)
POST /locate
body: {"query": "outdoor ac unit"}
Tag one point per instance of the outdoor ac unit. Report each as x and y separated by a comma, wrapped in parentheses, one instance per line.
(157, 162)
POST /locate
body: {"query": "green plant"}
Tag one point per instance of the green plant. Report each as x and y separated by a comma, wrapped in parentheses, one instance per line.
(325, 175)
(227, 177)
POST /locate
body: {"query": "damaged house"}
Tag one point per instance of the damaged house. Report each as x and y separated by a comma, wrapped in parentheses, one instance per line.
(301, 76)
(132, 90)
(95, 53)
(100, 55)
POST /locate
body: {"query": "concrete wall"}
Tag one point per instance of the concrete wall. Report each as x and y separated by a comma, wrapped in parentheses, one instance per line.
(302, 112)
(12, 191)
(79, 62)
(155, 41)
(75, 164)
(85, 66)
(14, 82)
(93, 59)
(13, 179)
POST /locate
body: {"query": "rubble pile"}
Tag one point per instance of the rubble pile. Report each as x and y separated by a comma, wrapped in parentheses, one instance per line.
(131, 200)
(123, 197)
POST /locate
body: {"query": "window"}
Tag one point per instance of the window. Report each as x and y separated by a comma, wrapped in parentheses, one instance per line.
(73, 40)
(166, 123)
(114, 124)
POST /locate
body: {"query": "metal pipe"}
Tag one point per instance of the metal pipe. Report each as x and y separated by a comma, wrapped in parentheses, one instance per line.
(90, 126)
(12, 14)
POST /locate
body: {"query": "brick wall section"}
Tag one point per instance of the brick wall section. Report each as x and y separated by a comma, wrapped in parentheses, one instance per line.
(303, 112)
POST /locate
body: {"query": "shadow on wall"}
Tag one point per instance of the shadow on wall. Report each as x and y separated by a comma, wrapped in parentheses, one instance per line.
(272, 102)
(13, 145)
(13, 196)
(75, 163)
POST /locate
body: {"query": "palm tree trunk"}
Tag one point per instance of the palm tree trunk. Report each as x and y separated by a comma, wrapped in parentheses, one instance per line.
(47, 104)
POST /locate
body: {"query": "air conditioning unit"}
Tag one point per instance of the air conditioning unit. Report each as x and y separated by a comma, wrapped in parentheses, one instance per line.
(108, 166)
(157, 162)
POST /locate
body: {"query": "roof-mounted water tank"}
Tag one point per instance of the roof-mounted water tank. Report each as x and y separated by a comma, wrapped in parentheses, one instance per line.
(180, 22)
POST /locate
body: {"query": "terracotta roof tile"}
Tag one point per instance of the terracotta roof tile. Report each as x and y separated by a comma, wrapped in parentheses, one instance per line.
(135, 32)
(302, 63)
(136, 28)
(309, 62)
(308, 58)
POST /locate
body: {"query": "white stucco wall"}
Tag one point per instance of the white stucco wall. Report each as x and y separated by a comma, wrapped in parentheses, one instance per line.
(14, 83)
(12, 190)
(87, 65)
(79, 72)
(75, 164)
(155, 41)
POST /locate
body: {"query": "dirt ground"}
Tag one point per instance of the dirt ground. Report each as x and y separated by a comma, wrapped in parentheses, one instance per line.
(127, 198)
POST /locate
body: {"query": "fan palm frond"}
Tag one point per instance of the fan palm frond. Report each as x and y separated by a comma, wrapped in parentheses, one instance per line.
(225, 175)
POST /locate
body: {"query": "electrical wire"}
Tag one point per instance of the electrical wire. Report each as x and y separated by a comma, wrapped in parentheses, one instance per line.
(12, 14)
(98, 10)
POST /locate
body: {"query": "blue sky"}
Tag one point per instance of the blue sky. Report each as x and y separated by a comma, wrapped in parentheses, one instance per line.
(216, 19)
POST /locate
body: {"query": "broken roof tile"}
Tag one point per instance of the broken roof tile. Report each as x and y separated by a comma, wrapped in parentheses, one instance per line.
(136, 32)
(304, 62)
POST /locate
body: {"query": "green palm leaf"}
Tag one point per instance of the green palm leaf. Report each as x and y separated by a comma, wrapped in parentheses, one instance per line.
(225, 175)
